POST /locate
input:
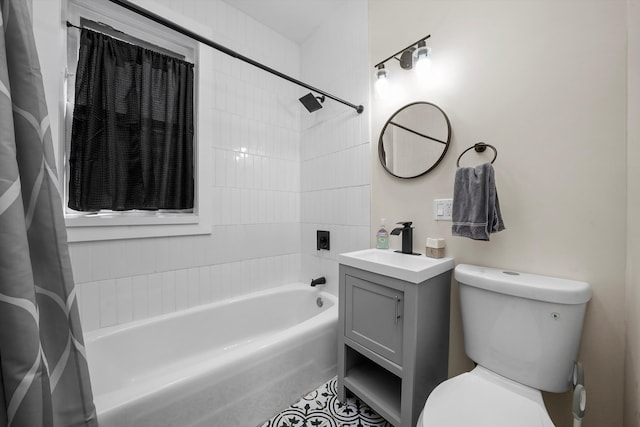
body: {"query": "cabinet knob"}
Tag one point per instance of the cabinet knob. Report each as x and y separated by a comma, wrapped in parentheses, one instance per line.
(397, 308)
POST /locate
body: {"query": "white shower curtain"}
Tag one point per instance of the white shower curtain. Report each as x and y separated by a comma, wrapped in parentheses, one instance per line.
(44, 379)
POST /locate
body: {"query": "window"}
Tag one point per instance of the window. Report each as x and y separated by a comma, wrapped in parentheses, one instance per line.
(132, 132)
(121, 24)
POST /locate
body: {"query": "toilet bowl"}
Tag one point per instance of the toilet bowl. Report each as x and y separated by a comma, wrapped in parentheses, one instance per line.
(482, 398)
(523, 332)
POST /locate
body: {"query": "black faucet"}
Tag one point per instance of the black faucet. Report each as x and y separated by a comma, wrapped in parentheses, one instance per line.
(407, 237)
(318, 281)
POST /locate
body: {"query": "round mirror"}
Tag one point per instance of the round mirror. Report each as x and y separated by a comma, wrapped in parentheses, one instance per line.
(414, 140)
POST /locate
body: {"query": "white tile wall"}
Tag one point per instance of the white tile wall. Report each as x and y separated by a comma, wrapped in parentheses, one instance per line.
(335, 145)
(278, 174)
(254, 137)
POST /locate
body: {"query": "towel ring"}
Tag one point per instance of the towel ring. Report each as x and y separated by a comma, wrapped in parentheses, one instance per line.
(479, 147)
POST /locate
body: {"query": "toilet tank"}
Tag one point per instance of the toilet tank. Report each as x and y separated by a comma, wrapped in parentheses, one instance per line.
(522, 326)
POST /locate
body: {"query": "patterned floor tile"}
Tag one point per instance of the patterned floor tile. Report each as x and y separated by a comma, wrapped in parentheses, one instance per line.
(321, 408)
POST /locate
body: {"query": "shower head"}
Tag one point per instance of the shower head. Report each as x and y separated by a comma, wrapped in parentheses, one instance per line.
(311, 102)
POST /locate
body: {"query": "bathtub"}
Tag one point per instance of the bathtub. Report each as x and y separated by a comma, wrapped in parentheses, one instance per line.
(233, 363)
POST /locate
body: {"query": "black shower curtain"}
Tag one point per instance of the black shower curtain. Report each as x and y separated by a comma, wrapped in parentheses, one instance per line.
(132, 134)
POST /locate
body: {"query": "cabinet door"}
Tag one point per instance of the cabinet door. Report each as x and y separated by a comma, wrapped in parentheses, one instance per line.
(373, 317)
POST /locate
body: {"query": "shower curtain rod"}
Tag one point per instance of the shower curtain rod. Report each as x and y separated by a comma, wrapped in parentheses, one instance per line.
(172, 25)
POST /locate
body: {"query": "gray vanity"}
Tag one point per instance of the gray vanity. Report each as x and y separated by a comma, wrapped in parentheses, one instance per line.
(393, 342)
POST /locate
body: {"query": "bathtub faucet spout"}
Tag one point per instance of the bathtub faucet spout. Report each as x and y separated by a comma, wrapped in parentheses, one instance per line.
(318, 281)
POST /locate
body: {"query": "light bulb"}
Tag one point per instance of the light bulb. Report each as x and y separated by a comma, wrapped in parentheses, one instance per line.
(421, 58)
(382, 80)
(382, 73)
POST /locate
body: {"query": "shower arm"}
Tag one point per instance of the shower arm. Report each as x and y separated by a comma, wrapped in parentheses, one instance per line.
(182, 30)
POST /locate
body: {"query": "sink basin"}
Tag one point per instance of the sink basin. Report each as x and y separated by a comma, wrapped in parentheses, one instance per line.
(410, 268)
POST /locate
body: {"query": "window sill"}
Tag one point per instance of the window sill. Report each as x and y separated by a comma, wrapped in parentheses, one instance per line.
(92, 227)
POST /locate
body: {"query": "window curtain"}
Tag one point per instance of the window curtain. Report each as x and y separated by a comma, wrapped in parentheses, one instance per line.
(132, 133)
(44, 378)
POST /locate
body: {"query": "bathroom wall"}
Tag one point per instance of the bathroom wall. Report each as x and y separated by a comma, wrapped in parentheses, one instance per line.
(545, 82)
(252, 136)
(632, 353)
(334, 151)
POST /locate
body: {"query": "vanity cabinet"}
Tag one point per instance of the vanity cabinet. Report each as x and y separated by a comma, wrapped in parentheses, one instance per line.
(393, 342)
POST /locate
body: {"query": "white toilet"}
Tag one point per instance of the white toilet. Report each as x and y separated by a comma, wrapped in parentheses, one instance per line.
(523, 332)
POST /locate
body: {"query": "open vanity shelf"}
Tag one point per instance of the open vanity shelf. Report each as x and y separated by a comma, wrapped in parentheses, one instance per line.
(377, 387)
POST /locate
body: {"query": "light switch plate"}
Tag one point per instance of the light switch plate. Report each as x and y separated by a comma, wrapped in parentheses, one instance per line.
(442, 209)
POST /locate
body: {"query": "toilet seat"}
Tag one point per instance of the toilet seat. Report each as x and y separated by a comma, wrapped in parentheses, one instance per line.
(483, 398)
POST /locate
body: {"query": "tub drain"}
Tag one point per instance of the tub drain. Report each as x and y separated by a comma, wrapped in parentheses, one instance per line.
(319, 302)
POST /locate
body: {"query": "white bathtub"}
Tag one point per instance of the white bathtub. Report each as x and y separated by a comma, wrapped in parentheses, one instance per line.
(232, 363)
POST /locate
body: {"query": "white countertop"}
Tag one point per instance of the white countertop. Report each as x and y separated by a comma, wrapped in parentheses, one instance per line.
(410, 268)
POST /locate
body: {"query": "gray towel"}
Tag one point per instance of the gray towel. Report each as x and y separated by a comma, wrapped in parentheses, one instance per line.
(476, 211)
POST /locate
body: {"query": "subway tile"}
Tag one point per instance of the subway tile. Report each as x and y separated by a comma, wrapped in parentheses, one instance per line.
(236, 206)
(181, 289)
(162, 253)
(108, 312)
(216, 206)
(81, 262)
(258, 162)
(249, 182)
(224, 285)
(200, 247)
(253, 277)
(202, 11)
(89, 304)
(185, 255)
(122, 263)
(168, 291)
(236, 279)
(101, 260)
(263, 271)
(364, 217)
(216, 124)
(145, 258)
(245, 277)
(274, 267)
(193, 286)
(254, 207)
(154, 294)
(269, 207)
(225, 206)
(214, 282)
(205, 285)
(124, 300)
(230, 167)
(140, 297)
(245, 205)
(261, 148)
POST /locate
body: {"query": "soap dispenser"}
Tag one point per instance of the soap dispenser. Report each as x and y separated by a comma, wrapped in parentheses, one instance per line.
(382, 237)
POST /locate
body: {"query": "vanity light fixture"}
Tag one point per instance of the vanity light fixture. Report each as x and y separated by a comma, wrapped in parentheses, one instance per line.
(416, 54)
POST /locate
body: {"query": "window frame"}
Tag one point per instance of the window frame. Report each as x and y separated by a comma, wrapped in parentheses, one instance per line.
(111, 225)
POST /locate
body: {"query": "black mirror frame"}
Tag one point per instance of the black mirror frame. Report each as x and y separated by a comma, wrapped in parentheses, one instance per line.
(437, 162)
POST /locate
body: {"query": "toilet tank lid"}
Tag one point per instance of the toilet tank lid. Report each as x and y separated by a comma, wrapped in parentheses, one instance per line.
(525, 285)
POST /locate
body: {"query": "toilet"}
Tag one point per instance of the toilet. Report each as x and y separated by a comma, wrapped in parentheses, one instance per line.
(523, 331)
